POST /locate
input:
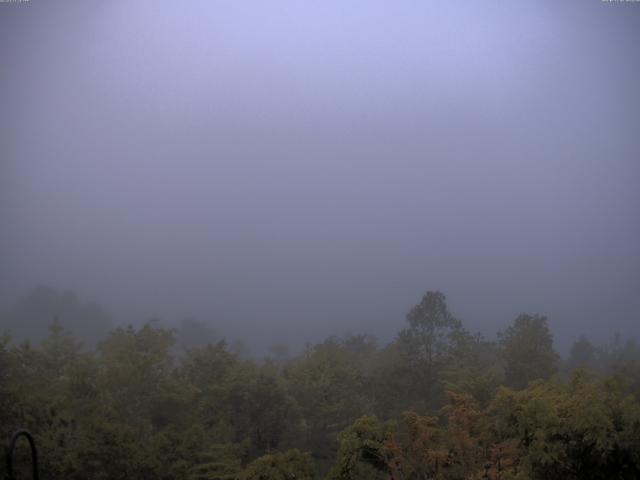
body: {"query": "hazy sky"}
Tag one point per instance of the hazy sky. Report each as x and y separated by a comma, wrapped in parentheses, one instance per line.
(290, 169)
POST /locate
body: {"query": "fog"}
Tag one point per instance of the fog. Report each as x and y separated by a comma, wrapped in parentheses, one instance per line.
(289, 170)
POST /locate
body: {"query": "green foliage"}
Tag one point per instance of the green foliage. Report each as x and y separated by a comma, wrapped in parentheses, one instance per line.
(328, 383)
(130, 409)
(588, 429)
(363, 451)
(622, 360)
(527, 347)
(432, 341)
(280, 466)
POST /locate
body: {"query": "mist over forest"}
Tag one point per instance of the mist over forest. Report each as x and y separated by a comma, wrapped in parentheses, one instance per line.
(338, 240)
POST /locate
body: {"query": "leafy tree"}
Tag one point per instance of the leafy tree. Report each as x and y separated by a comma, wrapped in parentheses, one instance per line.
(434, 337)
(132, 410)
(280, 466)
(329, 387)
(60, 349)
(464, 436)
(363, 451)
(417, 449)
(622, 359)
(582, 354)
(261, 410)
(390, 382)
(135, 378)
(585, 430)
(527, 348)
(476, 370)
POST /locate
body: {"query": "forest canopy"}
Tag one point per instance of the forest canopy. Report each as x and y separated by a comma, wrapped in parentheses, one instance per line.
(436, 402)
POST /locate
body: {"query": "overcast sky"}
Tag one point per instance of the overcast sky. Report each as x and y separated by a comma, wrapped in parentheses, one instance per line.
(291, 169)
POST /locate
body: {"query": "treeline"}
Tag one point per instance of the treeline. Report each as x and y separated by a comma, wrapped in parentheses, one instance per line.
(436, 403)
